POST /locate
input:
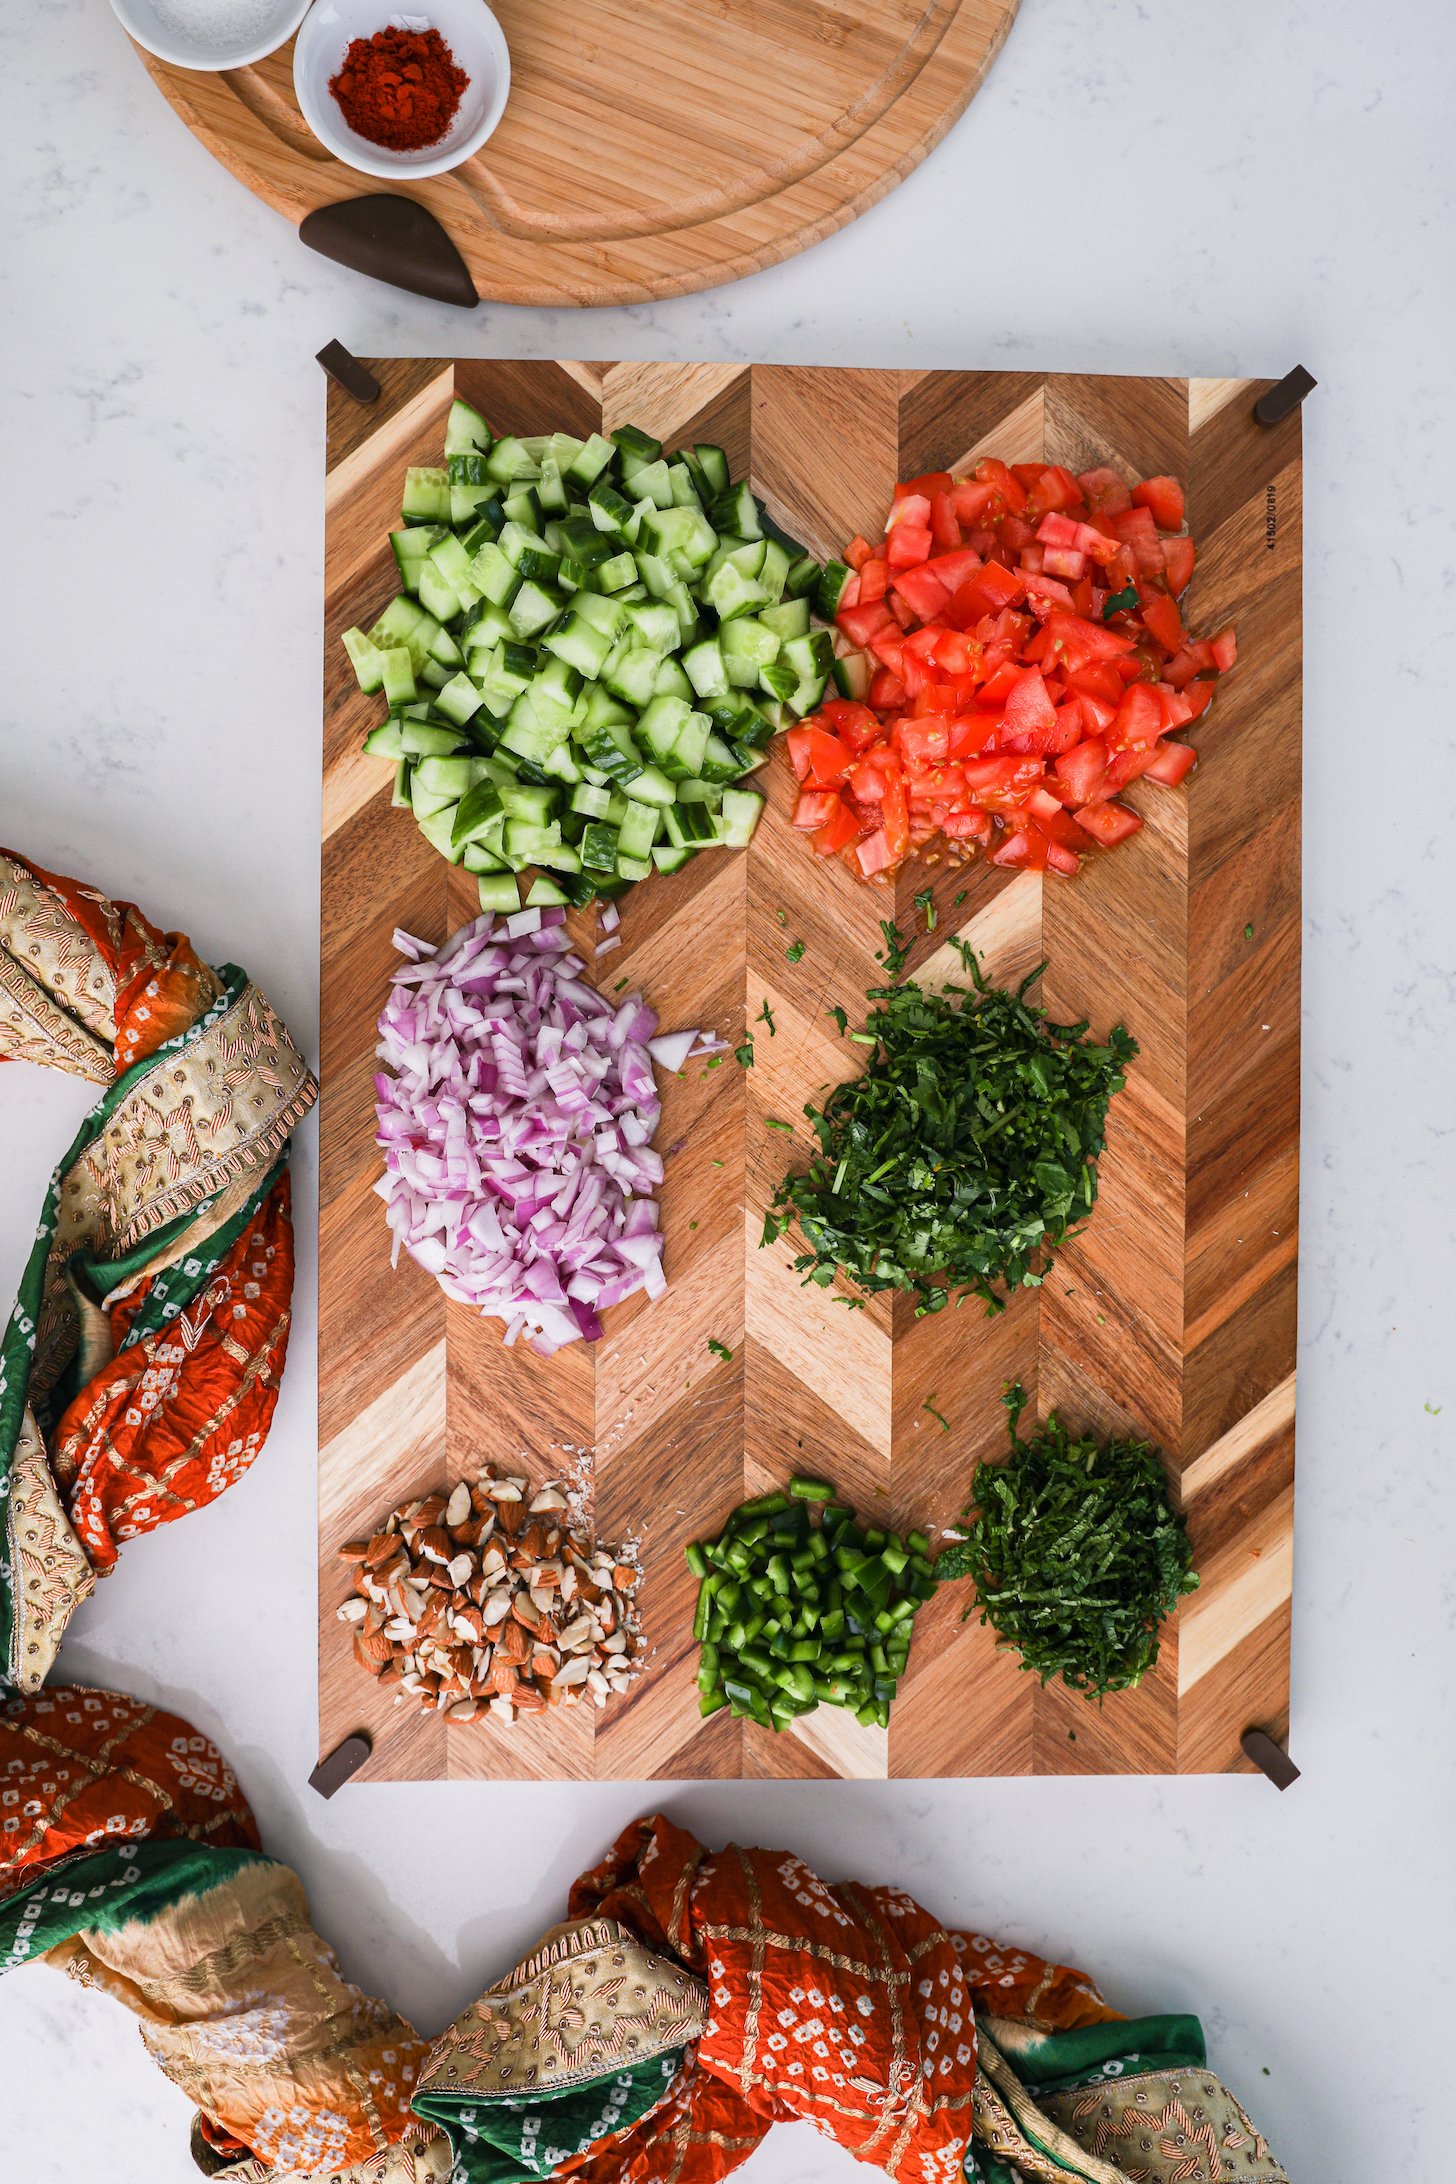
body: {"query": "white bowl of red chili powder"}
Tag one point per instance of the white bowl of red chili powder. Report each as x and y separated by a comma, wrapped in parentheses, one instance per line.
(408, 94)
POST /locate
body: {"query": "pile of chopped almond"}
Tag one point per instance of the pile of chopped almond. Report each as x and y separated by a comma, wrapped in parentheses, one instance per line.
(493, 1600)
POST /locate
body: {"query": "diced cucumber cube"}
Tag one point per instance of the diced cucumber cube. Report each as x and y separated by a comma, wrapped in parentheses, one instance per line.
(397, 673)
(509, 460)
(459, 699)
(438, 828)
(364, 659)
(738, 817)
(638, 830)
(591, 460)
(499, 891)
(704, 668)
(479, 808)
(581, 646)
(598, 847)
(543, 893)
(651, 786)
(425, 739)
(385, 741)
(465, 429)
(426, 495)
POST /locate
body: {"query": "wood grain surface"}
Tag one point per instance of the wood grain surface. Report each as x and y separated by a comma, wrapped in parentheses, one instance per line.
(649, 147)
(1172, 1315)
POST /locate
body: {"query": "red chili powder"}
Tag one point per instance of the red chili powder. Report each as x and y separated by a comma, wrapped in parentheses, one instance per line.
(400, 88)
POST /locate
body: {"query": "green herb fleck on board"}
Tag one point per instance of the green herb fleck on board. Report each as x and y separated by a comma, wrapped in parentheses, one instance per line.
(782, 916)
(743, 1055)
(895, 953)
(765, 1016)
(940, 1418)
(714, 1061)
(772, 1122)
(1248, 932)
(719, 1349)
(957, 900)
(795, 951)
(621, 982)
(840, 1018)
(925, 904)
(1434, 1409)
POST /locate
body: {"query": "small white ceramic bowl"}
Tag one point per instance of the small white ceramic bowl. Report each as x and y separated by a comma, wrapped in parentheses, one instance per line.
(468, 29)
(153, 26)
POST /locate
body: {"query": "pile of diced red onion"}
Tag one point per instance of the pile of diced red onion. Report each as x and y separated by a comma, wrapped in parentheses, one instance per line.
(516, 1114)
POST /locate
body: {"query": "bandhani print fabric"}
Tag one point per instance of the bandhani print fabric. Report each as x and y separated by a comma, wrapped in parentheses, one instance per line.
(139, 1367)
(691, 2000)
(129, 1858)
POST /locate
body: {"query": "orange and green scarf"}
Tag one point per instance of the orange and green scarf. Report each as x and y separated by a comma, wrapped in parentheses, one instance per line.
(691, 2000)
(139, 1367)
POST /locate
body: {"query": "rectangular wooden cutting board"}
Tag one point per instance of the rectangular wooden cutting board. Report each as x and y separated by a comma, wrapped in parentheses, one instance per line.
(1172, 1315)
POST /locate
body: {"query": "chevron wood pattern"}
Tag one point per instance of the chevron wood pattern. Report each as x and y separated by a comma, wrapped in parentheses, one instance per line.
(785, 119)
(1174, 1312)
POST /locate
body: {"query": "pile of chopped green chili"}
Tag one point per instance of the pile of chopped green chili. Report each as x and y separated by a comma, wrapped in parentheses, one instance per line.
(798, 1606)
(1076, 1552)
(967, 1151)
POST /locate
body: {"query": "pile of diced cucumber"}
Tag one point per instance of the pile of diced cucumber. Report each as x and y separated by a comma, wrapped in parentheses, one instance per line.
(593, 647)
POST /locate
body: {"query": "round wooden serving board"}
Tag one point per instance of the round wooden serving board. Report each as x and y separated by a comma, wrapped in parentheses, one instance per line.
(649, 147)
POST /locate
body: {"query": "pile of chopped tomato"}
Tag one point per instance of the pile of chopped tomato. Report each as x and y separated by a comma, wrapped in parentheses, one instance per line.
(1024, 660)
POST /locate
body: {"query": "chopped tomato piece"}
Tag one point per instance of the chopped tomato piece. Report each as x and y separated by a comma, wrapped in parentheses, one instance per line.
(1225, 649)
(1029, 709)
(1127, 766)
(1139, 718)
(862, 624)
(1171, 762)
(908, 545)
(853, 723)
(919, 742)
(954, 568)
(934, 481)
(972, 501)
(840, 828)
(1178, 558)
(1163, 498)
(968, 826)
(1005, 487)
(858, 552)
(1078, 773)
(886, 692)
(925, 594)
(1108, 824)
(873, 577)
(1161, 616)
(1025, 849)
(1104, 490)
(817, 756)
(944, 528)
(874, 854)
(814, 807)
(912, 507)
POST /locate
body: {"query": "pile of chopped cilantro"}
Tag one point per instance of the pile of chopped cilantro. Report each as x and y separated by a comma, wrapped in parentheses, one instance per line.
(964, 1155)
(1076, 1552)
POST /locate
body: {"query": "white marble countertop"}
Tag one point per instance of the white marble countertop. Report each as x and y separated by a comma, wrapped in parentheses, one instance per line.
(1188, 188)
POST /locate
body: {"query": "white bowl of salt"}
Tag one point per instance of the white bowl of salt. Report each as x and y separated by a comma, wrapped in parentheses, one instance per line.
(211, 34)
